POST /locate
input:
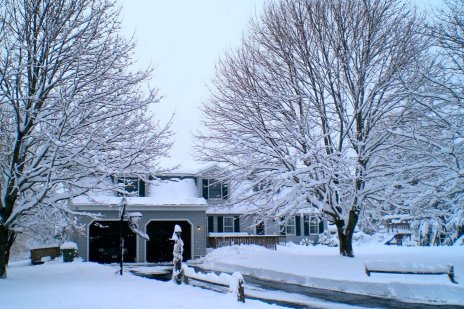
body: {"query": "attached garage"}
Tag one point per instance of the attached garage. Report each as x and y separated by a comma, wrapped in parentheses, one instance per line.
(169, 201)
(104, 242)
(159, 247)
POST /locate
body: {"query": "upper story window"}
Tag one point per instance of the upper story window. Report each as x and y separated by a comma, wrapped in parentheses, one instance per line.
(131, 186)
(214, 189)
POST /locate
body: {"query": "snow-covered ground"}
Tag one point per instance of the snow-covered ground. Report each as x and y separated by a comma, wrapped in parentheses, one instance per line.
(322, 267)
(88, 285)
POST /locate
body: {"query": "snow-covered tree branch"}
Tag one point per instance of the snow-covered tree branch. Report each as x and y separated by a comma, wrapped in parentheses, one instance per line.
(300, 112)
(72, 111)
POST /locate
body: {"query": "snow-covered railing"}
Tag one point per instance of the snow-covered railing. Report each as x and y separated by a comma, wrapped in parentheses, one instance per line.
(398, 227)
(234, 282)
(268, 241)
(409, 269)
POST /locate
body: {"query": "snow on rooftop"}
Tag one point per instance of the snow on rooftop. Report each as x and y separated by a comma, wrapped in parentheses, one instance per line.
(138, 201)
(186, 167)
(160, 192)
(175, 187)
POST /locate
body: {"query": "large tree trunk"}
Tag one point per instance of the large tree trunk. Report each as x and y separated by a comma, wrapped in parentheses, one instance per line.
(6, 241)
(345, 234)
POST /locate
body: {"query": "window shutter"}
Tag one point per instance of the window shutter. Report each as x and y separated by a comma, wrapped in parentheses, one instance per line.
(220, 224)
(236, 224)
(225, 190)
(282, 226)
(210, 224)
(306, 225)
(321, 226)
(205, 188)
(141, 188)
(118, 182)
(298, 225)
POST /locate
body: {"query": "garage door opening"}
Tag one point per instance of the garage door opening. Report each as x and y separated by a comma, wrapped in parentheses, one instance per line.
(104, 242)
(159, 247)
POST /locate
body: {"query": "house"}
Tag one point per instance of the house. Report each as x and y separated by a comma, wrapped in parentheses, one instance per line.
(192, 199)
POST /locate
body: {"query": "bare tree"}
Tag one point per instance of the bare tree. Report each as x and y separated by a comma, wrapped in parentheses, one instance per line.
(301, 110)
(72, 113)
(435, 135)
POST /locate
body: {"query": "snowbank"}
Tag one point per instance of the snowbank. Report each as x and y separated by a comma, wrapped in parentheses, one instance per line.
(88, 285)
(322, 267)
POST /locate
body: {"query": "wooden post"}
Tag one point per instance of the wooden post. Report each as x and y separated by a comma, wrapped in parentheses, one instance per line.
(240, 291)
(451, 274)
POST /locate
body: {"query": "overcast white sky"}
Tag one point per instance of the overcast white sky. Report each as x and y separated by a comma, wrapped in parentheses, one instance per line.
(183, 39)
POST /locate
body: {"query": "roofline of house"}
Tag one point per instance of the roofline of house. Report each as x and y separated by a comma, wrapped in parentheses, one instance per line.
(167, 207)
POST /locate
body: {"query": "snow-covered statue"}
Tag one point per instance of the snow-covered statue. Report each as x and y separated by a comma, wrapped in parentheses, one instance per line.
(177, 273)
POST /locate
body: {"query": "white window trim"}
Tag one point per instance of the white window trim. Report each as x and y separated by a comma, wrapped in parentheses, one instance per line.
(311, 218)
(287, 225)
(224, 225)
(221, 185)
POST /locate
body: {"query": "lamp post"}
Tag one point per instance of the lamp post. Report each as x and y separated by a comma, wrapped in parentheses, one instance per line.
(134, 218)
(122, 213)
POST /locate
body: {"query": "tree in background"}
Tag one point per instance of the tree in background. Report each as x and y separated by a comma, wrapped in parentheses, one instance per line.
(434, 139)
(72, 112)
(301, 112)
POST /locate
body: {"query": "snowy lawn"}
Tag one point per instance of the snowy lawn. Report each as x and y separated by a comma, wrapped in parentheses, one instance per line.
(322, 267)
(88, 285)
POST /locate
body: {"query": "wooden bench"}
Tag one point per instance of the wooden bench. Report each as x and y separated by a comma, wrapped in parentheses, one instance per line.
(396, 268)
(38, 253)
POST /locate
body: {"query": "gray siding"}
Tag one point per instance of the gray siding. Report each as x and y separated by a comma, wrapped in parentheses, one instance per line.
(196, 218)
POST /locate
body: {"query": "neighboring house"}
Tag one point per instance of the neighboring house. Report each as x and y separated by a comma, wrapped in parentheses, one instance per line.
(192, 199)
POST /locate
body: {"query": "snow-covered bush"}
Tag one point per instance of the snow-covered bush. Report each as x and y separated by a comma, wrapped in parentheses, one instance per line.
(306, 242)
(409, 242)
(459, 241)
(327, 239)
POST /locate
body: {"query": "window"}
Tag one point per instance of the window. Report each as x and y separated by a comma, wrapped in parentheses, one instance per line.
(314, 225)
(290, 226)
(214, 189)
(131, 186)
(228, 224)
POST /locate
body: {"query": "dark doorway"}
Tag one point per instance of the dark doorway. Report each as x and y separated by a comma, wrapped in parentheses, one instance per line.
(159, 247)
(104, 242)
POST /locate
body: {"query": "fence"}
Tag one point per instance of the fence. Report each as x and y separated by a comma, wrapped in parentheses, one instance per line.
(234, 282)
(398, 227)
(268, 241)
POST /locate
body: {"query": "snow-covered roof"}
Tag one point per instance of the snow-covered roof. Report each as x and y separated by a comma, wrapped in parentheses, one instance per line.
(160, 193)
(187, 167)
(138, 201)
(174, 187)
(226, 209)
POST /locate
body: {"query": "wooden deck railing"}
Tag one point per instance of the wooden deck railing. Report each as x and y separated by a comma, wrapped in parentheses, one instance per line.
(398, 227)
(268, 241)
